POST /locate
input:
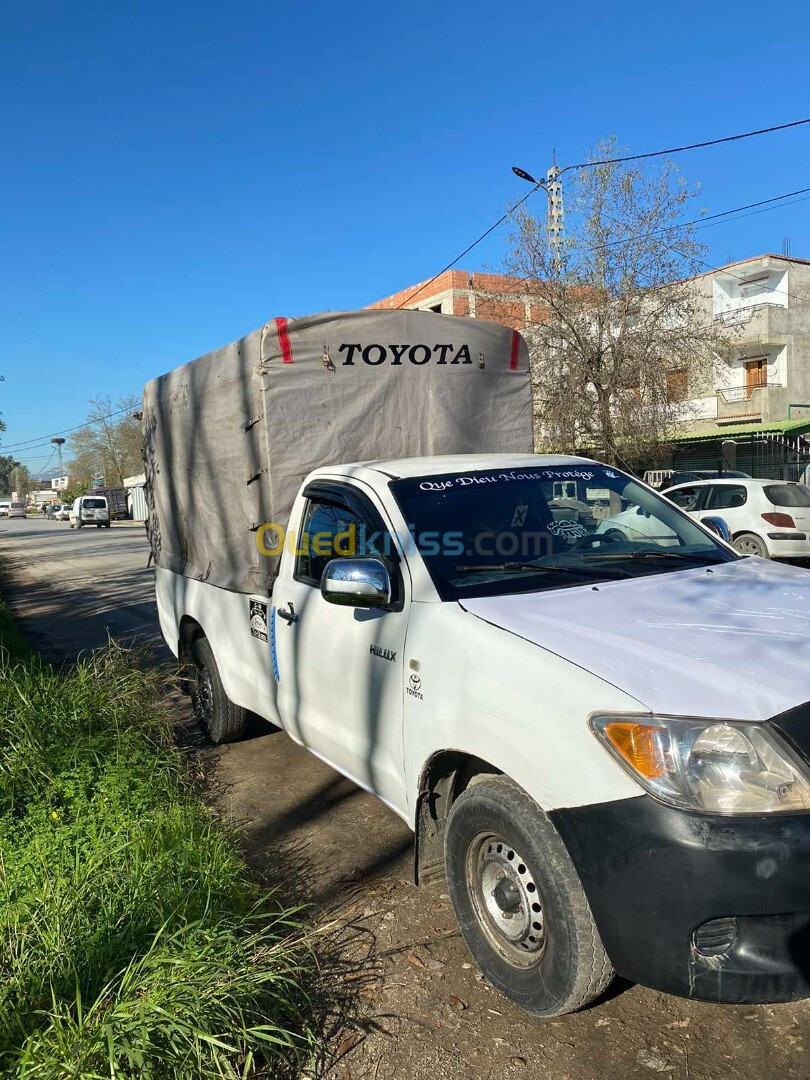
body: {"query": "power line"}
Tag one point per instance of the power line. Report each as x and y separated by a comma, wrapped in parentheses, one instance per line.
(40, 440)
(690, 146)
(468, 249)
(44, 467)
(761, 206)
(708, 221)
(703, 221)
(606, 161)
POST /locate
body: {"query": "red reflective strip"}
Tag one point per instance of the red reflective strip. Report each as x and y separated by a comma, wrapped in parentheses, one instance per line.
(513, 360)
(284, 341)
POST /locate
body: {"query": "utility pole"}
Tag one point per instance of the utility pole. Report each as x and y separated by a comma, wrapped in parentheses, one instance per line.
(59, 443)
(556, 212)
(555, 221)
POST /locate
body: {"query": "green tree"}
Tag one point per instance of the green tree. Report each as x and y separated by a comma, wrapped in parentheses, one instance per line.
(6, 469)
(70, 494)
(110, 445)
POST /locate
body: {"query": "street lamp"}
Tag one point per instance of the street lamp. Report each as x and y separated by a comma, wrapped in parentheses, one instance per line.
(527, 176)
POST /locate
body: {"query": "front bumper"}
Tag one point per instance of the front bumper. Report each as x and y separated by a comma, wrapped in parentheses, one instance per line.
(654, 875)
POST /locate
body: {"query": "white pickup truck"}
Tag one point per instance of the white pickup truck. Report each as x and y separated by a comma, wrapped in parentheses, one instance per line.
(602, 742)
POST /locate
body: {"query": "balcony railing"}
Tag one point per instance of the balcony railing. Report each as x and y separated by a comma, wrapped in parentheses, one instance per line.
(734, 316)
(743, 400)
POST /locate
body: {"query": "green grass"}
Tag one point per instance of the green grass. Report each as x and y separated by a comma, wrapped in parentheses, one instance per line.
(133, 941)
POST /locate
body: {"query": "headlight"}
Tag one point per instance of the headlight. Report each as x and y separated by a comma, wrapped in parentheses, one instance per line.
(719, 766)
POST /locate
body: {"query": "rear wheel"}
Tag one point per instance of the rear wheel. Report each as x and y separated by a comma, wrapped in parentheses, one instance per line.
(221, 720)
(519, 903)
(750, 544)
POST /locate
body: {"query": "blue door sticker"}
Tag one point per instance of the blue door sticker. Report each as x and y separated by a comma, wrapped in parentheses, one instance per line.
(273, 651)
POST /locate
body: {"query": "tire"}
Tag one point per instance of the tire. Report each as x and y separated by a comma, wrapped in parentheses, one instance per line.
(99, 526)
(750, 544)
(497, 836)
(221, 720)
(107, 525)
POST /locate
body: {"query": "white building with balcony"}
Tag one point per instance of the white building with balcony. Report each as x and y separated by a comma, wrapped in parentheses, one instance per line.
(763, 378)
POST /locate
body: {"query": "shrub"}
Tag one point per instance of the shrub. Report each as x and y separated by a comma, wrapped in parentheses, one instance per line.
(133, 941)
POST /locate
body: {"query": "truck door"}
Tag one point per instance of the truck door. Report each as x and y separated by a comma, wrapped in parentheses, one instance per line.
(339, 669)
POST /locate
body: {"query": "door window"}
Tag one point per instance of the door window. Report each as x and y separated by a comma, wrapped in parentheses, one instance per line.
(686, 497)
(726, 497)
(331, 530)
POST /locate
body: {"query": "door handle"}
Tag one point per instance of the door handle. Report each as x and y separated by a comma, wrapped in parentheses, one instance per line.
(287, 616)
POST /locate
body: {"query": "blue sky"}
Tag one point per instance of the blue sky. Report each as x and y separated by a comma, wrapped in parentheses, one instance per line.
(176, 173)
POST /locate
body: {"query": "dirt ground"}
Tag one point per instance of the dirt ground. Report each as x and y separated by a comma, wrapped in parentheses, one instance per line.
(415, 1005)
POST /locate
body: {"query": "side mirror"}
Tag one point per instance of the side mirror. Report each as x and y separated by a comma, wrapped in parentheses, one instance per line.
(363, 583)
(718, 526)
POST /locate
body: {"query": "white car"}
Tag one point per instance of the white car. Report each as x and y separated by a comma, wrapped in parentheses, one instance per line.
(4, 505)
(90, 510)
(636, 524)
(16, 510)
(769, 518)
(62, 513)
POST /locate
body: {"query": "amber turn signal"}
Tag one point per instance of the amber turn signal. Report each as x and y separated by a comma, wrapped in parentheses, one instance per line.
(638, 745)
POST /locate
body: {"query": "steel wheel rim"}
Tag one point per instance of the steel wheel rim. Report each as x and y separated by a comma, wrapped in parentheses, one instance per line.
(746, 546)
(506, 900)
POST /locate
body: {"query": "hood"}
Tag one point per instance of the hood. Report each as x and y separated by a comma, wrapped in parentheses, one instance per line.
(730, 642)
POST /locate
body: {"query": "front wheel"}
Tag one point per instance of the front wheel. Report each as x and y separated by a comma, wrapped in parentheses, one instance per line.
(519, 903)
(221, 720)
(750, 544)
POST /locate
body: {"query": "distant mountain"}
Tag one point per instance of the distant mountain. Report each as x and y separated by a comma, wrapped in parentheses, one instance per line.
(46, 474)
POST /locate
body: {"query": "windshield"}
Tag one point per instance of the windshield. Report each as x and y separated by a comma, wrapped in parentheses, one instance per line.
(493, 532)
(788, 494)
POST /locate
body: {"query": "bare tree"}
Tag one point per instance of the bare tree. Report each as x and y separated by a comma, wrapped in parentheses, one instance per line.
(620, 334)
(110, 445)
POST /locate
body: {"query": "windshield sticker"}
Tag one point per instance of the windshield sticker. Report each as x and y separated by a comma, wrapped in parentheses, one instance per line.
(506, 477)
(519, 517)
(567, 529)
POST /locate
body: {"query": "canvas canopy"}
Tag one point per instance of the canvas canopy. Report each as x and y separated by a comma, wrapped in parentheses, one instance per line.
(230, 437)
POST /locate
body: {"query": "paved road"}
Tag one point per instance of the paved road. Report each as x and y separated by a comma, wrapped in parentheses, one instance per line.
(427, 1015)
(76, 586)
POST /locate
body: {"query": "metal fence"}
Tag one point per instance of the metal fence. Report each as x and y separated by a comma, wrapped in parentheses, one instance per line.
(767, 457)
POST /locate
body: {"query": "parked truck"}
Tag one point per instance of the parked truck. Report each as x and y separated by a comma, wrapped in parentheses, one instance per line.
(602, 741)
(116, 502)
